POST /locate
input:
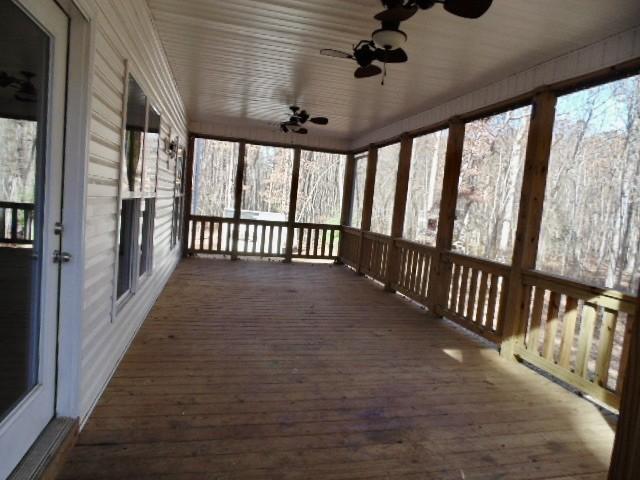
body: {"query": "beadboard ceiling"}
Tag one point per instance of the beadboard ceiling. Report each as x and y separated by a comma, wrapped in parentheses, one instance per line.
(243, 61)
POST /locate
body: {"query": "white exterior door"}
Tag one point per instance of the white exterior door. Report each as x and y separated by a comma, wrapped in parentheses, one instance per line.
(33, 67)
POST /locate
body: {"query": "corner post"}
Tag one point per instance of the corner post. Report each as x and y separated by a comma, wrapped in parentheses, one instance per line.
(625, 459)
(293, 203)
(188, 196)
(525, 247)
(237, 204)
(399, 209)
(347, 198)
(440, 274)
(367, 202)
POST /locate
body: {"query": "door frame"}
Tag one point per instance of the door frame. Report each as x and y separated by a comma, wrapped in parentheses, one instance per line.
(80, 64)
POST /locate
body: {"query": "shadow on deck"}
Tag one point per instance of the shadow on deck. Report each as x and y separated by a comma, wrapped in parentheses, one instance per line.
(256, 370)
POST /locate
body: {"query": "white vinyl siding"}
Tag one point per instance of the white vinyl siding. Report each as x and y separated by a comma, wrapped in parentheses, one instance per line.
(123, 31)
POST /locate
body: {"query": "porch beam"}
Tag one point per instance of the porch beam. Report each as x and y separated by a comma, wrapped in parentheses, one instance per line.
(525, 247)
(293, 204)
(367, 201)
(237, 204)
(399, 207)
(440, 275)
(188, 193)
(625, 460)
(347, 190)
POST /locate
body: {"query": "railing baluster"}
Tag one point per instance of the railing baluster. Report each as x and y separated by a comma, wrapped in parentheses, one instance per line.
(605, 346)
(533, 339)
(482, 299)
(585, 339)
(568, 331)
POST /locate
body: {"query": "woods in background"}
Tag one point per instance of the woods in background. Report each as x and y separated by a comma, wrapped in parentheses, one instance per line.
(591, 220)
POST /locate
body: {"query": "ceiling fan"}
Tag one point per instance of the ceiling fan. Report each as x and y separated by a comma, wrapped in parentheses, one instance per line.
(298, 118)
(365, 53)
(401, 10)
(386, 42)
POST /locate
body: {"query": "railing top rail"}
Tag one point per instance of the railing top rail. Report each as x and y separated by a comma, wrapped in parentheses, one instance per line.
(325, 226)
(18, 205)
(377, 236)
(606, 297)
(351, 230)
(480, 263)
(414, 245)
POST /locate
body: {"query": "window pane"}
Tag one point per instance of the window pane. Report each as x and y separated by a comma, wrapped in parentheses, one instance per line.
(134, 135)
(320, 187)
(145, 235)
(385, 189)
(125, 246)
(425, 187)
(359, 178)
(591, 218)
(267, 182)
(490, 184)
(214, 177)
(152, 148)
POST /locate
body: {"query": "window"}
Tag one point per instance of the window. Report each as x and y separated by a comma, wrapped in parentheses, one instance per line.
(145, 235)
(178, 198)
(151, 152)
(138, 188)
(591, 218)
(425, 187)
(490, 184)
(385, 189)
(267, 182)
(134, 135)
(126, 253)
(357, 198)
(215, 164)
(320, 187)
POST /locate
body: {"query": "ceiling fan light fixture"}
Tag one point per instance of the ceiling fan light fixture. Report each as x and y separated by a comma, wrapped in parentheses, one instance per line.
(389, 39)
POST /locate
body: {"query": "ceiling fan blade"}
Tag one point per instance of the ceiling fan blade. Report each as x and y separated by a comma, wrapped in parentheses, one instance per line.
(467, 8)
(368, 71)
(284, 128)
(301, 131)
(330, 52)
(396, 14)
(319, 120)
(391, 56)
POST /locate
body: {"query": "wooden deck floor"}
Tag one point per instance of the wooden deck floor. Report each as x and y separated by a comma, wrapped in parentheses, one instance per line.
(255, 370)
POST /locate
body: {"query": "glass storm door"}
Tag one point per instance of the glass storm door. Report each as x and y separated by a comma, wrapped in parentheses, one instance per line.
(33, 52)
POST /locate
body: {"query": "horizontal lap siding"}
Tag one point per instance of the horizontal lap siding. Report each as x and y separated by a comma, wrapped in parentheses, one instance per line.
(123, 30)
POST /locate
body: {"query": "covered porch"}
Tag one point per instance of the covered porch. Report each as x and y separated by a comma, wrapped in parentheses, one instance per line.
(288, 371)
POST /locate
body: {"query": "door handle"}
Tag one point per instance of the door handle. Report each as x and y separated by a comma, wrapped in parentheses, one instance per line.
(61, 257)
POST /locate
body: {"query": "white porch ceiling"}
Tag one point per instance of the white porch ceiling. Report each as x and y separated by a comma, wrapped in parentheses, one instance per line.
(243, 61)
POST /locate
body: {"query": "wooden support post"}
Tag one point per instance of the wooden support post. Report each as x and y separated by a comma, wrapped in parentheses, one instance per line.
(293, 202)
(237, 204)
(347, 199)
(367, 201)
(188, 196)
(525, 248)
(399, 208)
(440, 275)
(625, 460)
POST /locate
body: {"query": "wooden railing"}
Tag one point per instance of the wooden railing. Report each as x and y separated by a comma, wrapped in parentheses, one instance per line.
(374, 255)
(414, 269)
(578, 333)
(316, 241)
(260, 238)
(575, 332)
(350, 246)
(17, 223)
(477, 294)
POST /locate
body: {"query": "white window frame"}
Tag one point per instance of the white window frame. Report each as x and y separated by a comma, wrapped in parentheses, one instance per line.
(138, 196)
